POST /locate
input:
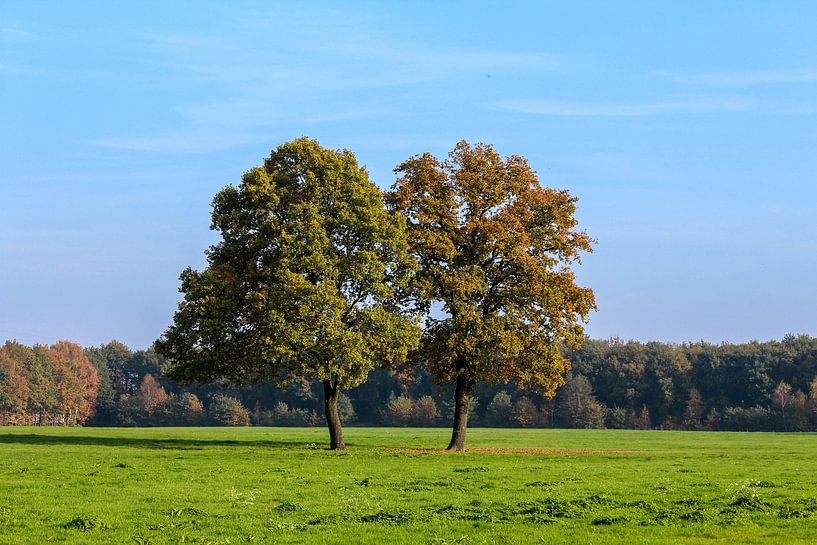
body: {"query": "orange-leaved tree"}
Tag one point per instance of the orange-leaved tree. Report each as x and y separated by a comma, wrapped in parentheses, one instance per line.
(495, 250)
(76, 379)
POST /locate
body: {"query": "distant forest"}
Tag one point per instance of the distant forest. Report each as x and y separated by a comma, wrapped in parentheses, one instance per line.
(768, 386)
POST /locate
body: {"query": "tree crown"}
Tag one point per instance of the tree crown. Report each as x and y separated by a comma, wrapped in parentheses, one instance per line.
(495, 250)
(306, 281)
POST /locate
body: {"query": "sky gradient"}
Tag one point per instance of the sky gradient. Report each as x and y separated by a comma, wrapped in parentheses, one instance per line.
(687, 130)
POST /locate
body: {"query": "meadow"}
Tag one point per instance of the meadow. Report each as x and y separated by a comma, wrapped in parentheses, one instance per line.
(396, 485)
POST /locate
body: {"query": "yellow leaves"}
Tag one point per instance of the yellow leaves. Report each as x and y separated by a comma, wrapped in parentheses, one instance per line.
(494, 248)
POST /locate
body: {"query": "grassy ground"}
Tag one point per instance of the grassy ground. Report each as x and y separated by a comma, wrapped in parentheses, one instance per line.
(268, 485)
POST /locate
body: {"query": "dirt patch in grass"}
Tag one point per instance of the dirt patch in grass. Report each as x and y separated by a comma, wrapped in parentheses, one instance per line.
(517, 451)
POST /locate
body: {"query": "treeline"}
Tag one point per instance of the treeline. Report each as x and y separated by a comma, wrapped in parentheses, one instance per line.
(752, 387)
(755, 386)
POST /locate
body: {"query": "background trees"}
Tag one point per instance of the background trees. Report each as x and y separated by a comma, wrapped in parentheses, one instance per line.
(788, 361)
(577, 407)
(54, 385)
(305, 283)
(494, 249)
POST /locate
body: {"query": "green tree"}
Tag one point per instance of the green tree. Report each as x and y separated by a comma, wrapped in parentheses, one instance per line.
(577, 406)
(228, 411)
(187, 410)
(495, 250)
(499, 410)
(666, 380)
(106, 398)
(306, 282)
(345, 409)
(619, 418)
(116, 357)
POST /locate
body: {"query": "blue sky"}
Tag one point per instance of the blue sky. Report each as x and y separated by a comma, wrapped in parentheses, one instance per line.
(688, 130)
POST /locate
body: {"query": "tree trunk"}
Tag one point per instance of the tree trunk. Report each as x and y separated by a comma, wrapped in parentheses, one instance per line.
(462, 398)
(330, 405)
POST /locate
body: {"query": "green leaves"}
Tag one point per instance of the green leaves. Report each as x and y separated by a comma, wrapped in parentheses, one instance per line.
(308, 279)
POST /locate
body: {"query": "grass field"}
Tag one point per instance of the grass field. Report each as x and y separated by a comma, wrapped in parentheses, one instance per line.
(275, 485)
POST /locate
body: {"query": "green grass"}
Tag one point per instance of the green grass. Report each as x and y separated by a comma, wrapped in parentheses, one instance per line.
(276, 485)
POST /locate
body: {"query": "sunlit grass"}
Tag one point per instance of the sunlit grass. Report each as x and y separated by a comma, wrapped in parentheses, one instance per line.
(264, 485)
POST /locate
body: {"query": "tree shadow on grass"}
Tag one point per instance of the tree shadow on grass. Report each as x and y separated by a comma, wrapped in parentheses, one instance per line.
(140, 442)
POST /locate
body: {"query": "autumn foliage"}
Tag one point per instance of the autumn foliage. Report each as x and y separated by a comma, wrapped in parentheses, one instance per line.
(54, 384)
(494, 249)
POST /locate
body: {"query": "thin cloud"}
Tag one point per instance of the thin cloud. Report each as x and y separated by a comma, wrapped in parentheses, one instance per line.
(743, 79)
(256, 112)
(62, 74)
(218, 132)
(265, 91)
(186, 141)
(11, 34)
(359, 36)
(442, 62)
(582, 109)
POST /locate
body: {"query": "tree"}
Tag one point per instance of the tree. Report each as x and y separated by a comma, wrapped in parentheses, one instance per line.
(781, 396)
(15, 389)
(425, 411)
(228, 411)
(616, 369)
(643, 421)
(187, 409)
(799, 412)
(117, 358)
(499, 410)
(153, 399)
(665, 384)
(495, 250)
(43, 399)
(525, 413)
(695, 409)
(577, 406)
(106, 397)
(307, 281)
(619, 418)
(76, 380)
(399, 411)
(346, 410)
(282, 415)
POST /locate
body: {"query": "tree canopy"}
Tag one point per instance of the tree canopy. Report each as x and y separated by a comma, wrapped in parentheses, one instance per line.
(495, 250)
(47, 385)
(306, 282)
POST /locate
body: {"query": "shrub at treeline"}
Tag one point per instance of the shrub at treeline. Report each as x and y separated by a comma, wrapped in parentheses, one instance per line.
(746, 387)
